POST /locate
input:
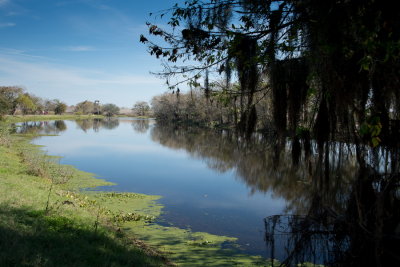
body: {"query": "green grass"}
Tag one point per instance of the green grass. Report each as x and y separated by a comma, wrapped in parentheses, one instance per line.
(47, 220)
(31, 238)
(23, 118)
(68, 233)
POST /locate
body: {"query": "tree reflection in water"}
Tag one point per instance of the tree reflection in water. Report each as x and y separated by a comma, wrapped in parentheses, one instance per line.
(41, 127)
(140, 125)
(343, 199)
(97, 124)
(57, 126)
(356, 224)
(343, 205)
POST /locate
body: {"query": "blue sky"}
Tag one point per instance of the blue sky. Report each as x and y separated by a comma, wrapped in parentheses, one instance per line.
(79, 50)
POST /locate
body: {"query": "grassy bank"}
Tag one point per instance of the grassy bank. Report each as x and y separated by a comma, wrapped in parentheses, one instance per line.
(46, 220)
(23, 118)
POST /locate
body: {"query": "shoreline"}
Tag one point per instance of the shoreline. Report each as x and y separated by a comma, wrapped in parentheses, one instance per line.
(133, 214)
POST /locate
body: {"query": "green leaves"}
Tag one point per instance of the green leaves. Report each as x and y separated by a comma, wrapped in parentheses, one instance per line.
(371, 129)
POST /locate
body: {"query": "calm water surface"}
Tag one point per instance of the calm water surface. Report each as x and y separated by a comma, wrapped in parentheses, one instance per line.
(334, 202)
(200, 184)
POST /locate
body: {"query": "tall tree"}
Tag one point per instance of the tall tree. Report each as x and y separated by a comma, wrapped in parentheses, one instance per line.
(332, 66)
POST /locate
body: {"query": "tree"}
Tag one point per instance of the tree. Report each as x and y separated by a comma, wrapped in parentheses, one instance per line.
(329, 65)
(25, 103)
(38, 102)
(331, 71)
(141, 108)
(85, 107)
(110, 109)
(10, 94)
(48, 105)
(59, 107)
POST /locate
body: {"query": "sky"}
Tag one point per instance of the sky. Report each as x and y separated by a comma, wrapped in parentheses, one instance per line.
(80, 50)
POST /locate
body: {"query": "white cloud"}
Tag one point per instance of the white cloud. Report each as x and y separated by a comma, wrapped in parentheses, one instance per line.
(7, 24)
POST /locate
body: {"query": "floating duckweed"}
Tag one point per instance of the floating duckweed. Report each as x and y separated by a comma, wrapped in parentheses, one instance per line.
(79, 199)
(122, 195)
(200, 243)
(132, 216)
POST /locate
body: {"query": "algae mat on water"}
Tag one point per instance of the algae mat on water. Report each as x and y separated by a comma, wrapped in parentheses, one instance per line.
(136, 213)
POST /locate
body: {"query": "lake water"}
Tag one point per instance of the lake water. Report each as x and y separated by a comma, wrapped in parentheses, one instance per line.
(197, 191)
(300, 201)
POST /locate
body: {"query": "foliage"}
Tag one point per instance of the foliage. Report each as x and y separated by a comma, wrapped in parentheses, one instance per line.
(25, 103)
(141, 108)
(5, 130)
(85, 107)
(10, 94)
(110, 109)
(221, 108)
(14, 99)
(345, 52)
(4, 106)
(59, 107)
(370, 130)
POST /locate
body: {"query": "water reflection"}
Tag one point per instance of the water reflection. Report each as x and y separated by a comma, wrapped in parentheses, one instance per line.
(343, 203)
(264, 165)
(141, 125)
(97, 124)
(41, 127)
(342, 200)
(58, 126)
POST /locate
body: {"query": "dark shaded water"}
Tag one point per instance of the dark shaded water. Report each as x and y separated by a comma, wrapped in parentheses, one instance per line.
(331, 204)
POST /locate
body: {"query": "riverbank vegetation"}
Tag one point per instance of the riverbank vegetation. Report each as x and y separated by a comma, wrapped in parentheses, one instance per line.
(287, 64)
(319, 75)
(46, 219)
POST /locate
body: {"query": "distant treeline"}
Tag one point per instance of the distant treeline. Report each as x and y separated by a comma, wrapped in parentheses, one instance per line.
(15, 100)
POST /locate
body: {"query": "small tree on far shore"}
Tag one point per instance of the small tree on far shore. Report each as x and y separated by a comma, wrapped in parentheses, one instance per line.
(60, 107)
(141, 108)
(110, 110)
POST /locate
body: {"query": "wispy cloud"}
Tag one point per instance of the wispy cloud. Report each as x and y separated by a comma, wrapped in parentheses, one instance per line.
(12, 52)
(80, 48)
(59, 74)
(72, 84)
(7, 24)
(3, 2)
